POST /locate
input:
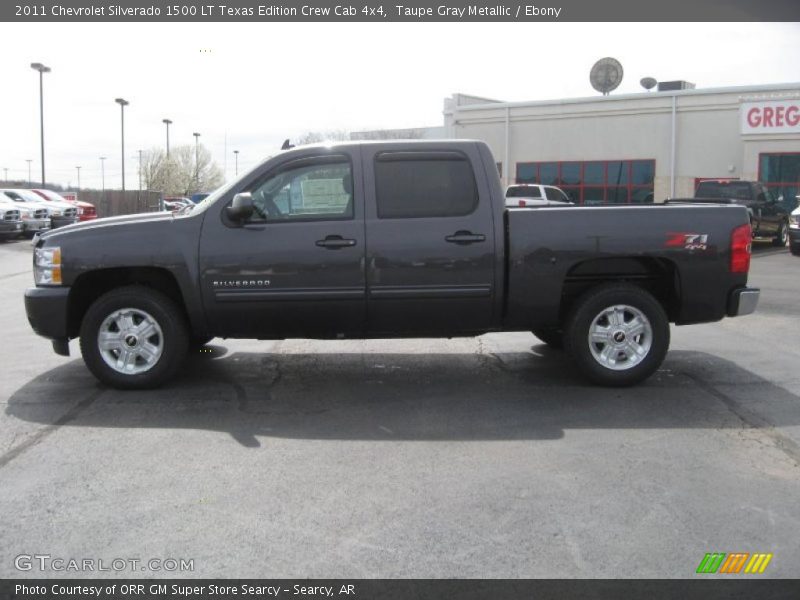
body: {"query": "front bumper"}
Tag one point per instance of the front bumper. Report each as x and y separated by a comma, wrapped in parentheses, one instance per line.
(47, 308)
(743, 301)
(10, 227)
(37, 224)
(63, 221)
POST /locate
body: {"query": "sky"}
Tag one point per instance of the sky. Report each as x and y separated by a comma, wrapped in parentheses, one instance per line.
(249, 86)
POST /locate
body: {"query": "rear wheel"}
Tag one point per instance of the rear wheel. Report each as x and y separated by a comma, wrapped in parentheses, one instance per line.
(617, 334)
(780, 238)
(134, 338)
(794, 248)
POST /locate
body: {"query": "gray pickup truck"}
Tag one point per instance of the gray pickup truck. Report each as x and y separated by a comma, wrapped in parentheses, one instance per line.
(386, 239)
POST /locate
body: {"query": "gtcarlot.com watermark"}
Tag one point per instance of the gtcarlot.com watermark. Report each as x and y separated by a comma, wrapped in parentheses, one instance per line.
(47, 562)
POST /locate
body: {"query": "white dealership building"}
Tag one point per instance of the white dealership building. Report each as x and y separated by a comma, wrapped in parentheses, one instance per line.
(640, 147)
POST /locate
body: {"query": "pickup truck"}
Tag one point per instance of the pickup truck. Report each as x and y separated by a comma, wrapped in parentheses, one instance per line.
(767, 217)
(382, 240)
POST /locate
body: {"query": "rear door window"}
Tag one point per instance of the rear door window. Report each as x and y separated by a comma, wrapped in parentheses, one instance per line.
(424, 184)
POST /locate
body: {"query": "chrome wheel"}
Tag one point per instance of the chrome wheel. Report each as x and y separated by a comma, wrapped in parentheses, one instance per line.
(130, 341)
(620, 337)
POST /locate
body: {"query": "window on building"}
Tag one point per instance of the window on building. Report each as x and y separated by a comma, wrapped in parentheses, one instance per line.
(780, 172)
(595, 182)
(424, 184)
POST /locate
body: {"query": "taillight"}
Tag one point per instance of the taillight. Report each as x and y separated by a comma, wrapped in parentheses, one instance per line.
(741, 246)
(522, 203)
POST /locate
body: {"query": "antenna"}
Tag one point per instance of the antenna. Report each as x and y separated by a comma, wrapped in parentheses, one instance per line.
(648, 83)
(606, 75)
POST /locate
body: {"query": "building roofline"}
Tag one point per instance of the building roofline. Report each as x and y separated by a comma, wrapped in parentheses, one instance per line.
(744, 89)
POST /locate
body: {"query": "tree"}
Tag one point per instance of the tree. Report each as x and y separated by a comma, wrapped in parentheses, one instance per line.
(315, 137)
(178, 174)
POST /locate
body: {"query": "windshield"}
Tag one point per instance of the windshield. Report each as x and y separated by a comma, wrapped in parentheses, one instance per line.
(738, 190)
(23, 196)
(221, 191)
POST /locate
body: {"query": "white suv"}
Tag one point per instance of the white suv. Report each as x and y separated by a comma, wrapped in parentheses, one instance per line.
(526, 195)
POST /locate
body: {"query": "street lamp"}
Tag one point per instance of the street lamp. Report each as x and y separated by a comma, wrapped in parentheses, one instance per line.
(42, 70)
(196, 160)
(236, 155)
(29, 161)
(103, 174)
(167, 122)
(122, 104)
(79, 177)
(140, 170)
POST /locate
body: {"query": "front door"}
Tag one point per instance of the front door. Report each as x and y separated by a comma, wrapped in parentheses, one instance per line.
(296, 268)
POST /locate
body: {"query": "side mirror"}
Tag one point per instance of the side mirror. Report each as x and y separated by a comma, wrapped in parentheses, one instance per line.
(241, 208)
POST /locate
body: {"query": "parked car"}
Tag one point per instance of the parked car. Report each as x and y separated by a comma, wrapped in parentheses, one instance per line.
(86, 211)
(386, 239)
(34, 219)
(527, 195)
(176, 203)
(794, 231)
(199, 197)
(767, 217)
(10, 219)
(59, 214)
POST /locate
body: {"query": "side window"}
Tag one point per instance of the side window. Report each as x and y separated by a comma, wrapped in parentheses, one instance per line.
(424, 184)
(554, 194)
(308, 191)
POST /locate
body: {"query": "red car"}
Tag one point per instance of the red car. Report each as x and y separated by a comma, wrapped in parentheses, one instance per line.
(86, 211)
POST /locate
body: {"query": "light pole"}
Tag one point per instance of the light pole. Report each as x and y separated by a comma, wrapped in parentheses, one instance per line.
(29, 161)
(103, 174)
(122, 104)
(140, 170)
(196, 160)
(79, 177)
(236, 155)
(167, 122)
(42, 70)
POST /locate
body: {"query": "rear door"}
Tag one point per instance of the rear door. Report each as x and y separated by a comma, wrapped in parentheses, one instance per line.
(430, 241)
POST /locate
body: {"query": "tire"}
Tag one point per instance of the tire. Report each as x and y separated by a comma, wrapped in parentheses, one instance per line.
(780, 238)
(637, 329)
(552, 337)
(129, 360)
(794, 248)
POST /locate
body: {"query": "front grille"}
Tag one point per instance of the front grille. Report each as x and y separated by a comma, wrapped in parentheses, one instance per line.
(11, 215)
(70, 212)
(40, 213)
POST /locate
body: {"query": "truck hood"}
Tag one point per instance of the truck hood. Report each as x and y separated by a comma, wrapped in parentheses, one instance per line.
(85, 226)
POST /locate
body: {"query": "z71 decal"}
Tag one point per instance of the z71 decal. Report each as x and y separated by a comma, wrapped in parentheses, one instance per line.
(688, 241)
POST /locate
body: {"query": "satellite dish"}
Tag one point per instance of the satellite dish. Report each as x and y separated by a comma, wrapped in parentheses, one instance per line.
(606, 75)
(648, 83)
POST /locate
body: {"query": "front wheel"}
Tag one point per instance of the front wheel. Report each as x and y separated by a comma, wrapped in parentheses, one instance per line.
(618, 334)
(134, 338)
(780, 239)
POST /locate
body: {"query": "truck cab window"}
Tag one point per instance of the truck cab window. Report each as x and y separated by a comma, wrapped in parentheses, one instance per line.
(409, 186)
(307, 192)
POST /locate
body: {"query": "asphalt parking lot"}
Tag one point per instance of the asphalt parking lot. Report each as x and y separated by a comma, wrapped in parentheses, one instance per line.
(483, 457)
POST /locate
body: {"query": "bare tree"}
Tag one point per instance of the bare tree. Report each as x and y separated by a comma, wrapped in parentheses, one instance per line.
(389, 134)
(315, 137)
(179, 174)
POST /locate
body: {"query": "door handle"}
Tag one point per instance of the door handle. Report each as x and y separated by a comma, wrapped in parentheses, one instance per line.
(465, 237)
(334, 242)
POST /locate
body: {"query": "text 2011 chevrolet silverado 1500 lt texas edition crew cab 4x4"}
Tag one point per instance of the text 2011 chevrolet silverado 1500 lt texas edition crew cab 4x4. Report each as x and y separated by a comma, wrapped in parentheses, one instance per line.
(386, 239)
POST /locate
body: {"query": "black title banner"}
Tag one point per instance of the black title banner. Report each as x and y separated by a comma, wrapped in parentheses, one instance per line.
(528, 11)
(363, 589)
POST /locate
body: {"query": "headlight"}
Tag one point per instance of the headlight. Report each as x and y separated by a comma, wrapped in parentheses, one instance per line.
(47, 266)
(80, 211)
(55, 213)
(794, 220)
